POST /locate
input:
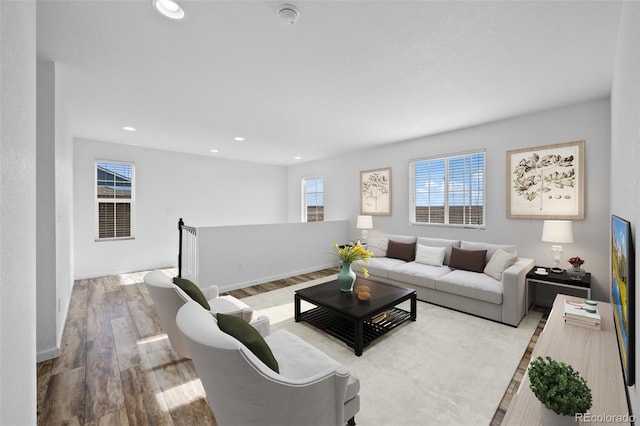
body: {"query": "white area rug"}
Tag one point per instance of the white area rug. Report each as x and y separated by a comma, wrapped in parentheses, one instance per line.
(447, 368)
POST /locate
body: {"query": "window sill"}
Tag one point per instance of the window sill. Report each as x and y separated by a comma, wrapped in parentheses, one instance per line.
(448, 225)
(99, 240)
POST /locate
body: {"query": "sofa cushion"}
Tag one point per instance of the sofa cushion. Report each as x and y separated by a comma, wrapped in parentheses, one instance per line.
(500, 261)
(490, 248)
(472, 285)
(469, 260)
(229, 305)
(379, 266)
(301, 360)
(402, 251)
(418, 274)
(401, 238)
(440, 242)
(378, 246)
(192, 290)
(248, 336)
(430, 255)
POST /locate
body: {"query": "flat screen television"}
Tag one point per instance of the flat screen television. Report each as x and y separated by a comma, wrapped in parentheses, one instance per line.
(623, 293)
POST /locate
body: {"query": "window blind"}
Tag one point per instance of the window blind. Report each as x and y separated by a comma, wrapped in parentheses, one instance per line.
(448, 190)
(114, 197)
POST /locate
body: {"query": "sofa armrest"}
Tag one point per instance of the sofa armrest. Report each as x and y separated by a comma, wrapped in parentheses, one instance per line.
(513, 291)
(263, 325)
(210, 292)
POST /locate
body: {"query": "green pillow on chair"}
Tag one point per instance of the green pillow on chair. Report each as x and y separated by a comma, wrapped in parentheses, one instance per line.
(192, 290)
(248, 336)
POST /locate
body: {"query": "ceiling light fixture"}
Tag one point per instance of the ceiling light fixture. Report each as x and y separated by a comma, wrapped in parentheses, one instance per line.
(129, 128)
(297, 157)
(169, 8)
(288, 14)
(239, 138)
(213, 150)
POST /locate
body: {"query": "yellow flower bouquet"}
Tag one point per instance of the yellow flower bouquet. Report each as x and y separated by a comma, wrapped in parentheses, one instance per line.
(350, 253)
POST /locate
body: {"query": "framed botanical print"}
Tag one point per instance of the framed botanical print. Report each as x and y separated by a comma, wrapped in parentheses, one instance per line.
(546, 182)
(375, 192)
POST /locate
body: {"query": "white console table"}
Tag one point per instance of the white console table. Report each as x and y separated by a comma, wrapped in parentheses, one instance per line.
(593, 353)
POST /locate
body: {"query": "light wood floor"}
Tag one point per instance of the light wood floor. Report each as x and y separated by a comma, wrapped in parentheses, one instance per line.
(116, 366)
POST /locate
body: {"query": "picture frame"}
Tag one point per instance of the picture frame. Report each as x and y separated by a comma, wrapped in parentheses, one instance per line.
(546, 182)
(375, 192)
(622, 294)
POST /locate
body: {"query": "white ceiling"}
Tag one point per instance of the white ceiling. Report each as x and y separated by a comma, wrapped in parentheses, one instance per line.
(347, 75)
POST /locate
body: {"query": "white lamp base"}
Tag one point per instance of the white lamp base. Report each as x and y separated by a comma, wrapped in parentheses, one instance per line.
(556, 252)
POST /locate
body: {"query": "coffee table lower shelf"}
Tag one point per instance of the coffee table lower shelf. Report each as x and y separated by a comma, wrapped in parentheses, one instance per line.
(335, 325)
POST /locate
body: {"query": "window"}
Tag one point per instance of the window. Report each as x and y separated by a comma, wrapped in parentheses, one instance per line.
(313, 196)
(114, 199)
(447, 190)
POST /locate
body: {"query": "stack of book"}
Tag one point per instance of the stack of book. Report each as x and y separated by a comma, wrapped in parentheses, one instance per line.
(575, 313)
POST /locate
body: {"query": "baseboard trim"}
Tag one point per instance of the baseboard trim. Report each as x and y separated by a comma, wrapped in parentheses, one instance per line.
(262, 280)
(48, 354)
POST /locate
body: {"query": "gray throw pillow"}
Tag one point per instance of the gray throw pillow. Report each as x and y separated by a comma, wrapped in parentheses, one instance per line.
(500, 261)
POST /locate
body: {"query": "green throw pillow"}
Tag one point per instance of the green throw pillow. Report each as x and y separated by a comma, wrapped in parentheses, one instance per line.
(248, 336)
(192, 290)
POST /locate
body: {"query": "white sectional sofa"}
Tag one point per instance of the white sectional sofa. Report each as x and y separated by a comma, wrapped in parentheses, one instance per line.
(487, 280)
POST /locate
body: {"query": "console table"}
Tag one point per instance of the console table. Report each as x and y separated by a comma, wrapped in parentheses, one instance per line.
(593, 353)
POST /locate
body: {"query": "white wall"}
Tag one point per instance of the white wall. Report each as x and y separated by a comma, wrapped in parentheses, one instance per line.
(46, 297)
(204, 191)
(588, 121)
(17, 213)
(625, 147)
(235, 257)
(54, 227)
(63, 212)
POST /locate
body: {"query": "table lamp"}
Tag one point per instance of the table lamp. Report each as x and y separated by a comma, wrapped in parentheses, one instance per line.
(364, 222)
(557, 231)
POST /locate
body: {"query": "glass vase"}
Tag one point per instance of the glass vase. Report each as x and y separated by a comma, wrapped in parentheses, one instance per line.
(576, 272)
(346, 277)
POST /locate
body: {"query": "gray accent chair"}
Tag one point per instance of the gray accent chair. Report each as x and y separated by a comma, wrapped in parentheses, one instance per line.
(168, 298)
(310, 389)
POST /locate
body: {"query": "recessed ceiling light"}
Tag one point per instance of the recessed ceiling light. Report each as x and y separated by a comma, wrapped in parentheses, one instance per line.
(297, 157)
(129, 128)
(239, 138)
(169, 8)
(213, 150)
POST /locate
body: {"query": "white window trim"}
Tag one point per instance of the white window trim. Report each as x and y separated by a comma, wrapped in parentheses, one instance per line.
(96, 225)
(447, 157)
(303, 195)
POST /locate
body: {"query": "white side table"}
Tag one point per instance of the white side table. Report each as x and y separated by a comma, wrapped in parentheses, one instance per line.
(561, 280)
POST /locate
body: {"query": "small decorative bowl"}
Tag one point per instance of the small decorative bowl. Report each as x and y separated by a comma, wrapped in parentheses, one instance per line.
(591, 306)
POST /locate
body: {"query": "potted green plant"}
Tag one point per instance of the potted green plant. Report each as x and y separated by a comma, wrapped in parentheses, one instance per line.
(560, 389)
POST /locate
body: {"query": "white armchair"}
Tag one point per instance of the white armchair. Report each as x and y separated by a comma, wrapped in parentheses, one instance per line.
(168, 298)
(310, 389)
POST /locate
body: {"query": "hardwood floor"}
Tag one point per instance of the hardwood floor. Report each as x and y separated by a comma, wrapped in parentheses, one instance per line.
(521, 370)
(116, 366)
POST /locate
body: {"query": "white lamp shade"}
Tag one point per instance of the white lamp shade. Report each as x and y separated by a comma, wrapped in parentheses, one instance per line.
(364, 222)
(557, 231)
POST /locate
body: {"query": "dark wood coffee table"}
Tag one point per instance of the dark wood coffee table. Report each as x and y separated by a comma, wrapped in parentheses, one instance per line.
(355, 322)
